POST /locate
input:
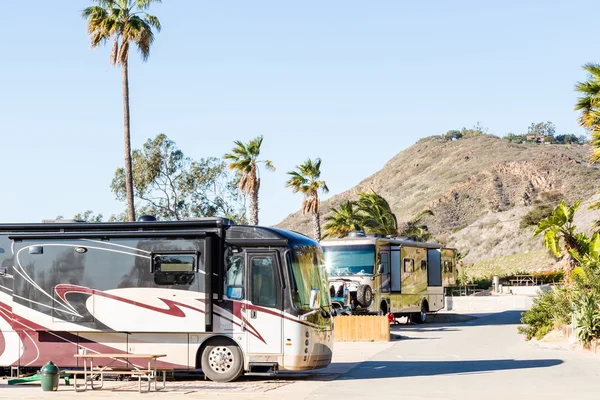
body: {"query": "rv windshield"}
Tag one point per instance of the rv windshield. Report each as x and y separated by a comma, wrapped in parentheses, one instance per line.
(307, 272)
(349, 260)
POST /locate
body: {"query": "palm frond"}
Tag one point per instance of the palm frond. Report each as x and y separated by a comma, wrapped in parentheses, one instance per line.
(269, 165)
(145, 4)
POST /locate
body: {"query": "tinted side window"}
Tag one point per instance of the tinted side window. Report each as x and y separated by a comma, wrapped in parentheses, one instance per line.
(263, 281)
(385, 263)
(409, 265)
(234, 278)
(174, 269)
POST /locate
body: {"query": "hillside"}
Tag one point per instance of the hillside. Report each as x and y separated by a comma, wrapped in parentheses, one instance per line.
(478, 188)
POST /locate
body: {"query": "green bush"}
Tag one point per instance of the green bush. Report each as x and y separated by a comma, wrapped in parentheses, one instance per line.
(587, 318)
(543, 209)
(551, 309)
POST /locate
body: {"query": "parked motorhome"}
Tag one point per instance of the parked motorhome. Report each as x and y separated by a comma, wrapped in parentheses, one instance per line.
(381, 275)
(209, 294)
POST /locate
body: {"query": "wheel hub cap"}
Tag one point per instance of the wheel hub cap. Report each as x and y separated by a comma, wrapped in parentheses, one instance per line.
(221, 359)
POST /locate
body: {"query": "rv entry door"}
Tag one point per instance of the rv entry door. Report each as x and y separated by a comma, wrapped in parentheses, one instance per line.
(264, 300)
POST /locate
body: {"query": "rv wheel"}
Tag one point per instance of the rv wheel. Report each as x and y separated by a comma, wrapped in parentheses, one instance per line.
(364, 295)
(222, 361)
(420, 318)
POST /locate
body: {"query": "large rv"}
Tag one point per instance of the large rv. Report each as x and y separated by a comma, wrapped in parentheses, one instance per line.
(381, 275)
(210, 295)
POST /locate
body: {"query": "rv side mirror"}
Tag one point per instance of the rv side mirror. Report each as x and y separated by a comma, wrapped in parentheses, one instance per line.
(380, 269)
(235, 292)
(315, 299)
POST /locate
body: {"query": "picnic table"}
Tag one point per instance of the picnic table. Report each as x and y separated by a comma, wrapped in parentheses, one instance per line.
(126, 367)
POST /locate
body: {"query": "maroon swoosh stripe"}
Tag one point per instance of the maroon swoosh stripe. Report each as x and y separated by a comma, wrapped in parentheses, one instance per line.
(174, 307)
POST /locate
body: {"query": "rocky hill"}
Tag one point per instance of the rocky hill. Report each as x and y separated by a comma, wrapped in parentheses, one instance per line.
(479, 188)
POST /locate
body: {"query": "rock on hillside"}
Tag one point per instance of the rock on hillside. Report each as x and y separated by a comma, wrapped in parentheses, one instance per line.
(478, 189)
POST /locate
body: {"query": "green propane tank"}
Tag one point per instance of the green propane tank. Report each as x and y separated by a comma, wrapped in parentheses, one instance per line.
(49, 375)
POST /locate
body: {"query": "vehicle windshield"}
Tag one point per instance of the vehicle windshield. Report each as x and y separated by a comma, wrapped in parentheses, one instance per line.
(307, 272)
(349, 260)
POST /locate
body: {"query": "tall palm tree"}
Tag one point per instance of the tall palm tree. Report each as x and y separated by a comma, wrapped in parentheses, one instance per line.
(344, 220)
(377, 215)
(415, 229)
(124, 22)
(244, 161)
(589, 106)
(307, 180)
(560, 237)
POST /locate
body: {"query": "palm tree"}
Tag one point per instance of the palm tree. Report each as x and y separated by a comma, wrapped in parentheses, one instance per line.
(344, 220)
(560, 237)
(123, 22)
(589, 106)
(244, 161)
(306, 179)
(415, 230)
(377, 215)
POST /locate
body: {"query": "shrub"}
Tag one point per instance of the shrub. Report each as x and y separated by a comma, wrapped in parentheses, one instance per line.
(543, 209)
(587, 318)
(551, 309)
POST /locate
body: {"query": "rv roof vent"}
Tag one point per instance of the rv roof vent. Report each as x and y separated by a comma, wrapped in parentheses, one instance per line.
(375, 235)
(356, 234)
(146, 218)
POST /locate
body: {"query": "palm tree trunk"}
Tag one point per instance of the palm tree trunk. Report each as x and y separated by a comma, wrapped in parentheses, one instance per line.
(317, 226)
(254, 207)
(127, 126)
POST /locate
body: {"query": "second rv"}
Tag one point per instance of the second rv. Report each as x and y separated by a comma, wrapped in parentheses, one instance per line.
(381, 275)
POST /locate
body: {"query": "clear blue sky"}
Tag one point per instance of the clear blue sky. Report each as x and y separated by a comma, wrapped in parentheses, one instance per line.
(353, 82)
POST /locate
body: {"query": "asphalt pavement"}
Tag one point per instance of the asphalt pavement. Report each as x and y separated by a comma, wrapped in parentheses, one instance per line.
(481, 358)
(484, 358)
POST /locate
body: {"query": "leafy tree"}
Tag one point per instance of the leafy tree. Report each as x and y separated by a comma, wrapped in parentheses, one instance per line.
(171, 186)
(344, 220)
(570, 139)
(559, 235)
(415, 229)
(589, 107)
(244, 161)
(453, 134)
(541, 129)
(376, 214)
(306, 178)
(125, 23)
(511, 137)
(465, 132)
(88, 216)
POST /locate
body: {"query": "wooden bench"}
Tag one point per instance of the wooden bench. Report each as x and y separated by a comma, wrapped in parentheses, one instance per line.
(89, 375)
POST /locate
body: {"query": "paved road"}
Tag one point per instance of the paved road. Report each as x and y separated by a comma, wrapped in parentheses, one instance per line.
(482, 359)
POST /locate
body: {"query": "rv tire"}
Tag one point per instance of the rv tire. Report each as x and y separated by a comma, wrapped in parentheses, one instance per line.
(222, 361)
(420, 317)
(364, 295)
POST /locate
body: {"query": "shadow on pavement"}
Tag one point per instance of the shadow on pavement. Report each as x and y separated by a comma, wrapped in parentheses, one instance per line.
(399, 369)
(508, 317)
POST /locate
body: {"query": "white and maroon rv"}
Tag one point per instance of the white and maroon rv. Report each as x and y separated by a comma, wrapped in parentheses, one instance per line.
(227, 299)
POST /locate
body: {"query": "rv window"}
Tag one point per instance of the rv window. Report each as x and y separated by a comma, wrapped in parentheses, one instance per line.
(447, 266)
(409, 265)
(423, 265)
(234, 283)
(264, 284)
(174, 269)
(385, 263)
